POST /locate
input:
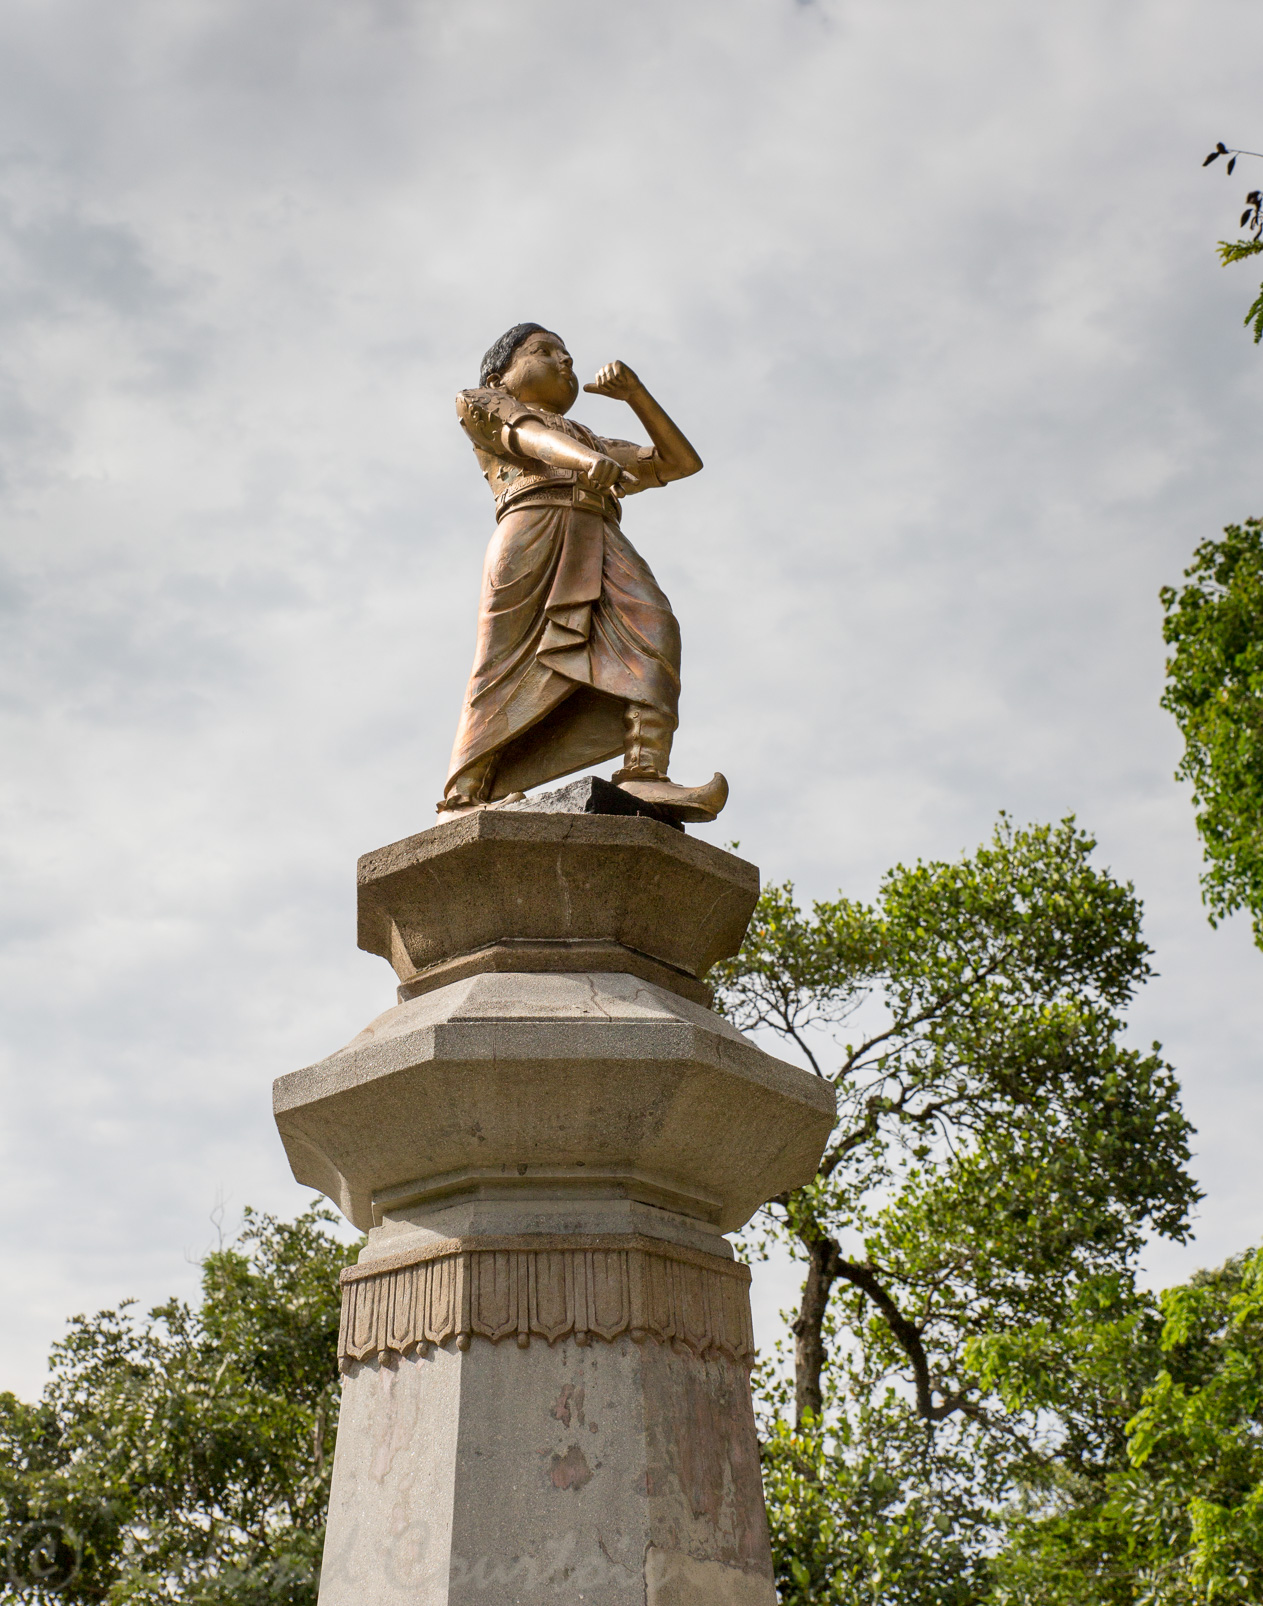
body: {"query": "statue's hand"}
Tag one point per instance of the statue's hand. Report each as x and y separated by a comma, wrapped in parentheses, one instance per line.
(615, 379)
(603, 472)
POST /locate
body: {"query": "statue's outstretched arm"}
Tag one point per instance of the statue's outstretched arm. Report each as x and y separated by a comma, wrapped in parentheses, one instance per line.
(676, 457)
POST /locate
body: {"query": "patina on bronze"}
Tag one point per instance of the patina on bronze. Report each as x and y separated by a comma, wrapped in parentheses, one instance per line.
(578, 654)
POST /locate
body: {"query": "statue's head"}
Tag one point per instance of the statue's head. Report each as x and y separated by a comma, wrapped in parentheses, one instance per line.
(532, 363)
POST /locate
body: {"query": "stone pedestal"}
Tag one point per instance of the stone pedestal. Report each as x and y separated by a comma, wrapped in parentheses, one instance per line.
(546, 1342)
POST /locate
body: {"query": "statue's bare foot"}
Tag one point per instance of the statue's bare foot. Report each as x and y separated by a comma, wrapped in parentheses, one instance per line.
(696, 803)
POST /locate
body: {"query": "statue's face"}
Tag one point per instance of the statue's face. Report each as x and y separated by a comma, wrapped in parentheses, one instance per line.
(542, 373)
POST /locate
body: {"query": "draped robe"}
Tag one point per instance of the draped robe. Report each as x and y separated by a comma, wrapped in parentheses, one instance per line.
(572, 625)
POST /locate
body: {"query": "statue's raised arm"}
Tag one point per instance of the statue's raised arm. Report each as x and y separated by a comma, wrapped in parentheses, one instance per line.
(673, 455)
(578, 655)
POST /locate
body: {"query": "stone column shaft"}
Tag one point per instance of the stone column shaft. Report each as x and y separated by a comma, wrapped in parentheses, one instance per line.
(568, 1417)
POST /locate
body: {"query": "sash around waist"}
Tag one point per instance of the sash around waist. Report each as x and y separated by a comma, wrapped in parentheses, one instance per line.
(556, 494)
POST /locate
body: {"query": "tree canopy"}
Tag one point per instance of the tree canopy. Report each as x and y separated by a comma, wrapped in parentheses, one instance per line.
(1214, 627)
(185, 1455)
(1000, 1158)
(1176, 1519)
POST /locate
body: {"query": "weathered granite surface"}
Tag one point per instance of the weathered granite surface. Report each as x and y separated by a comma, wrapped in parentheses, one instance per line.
(614, 1474)
(586, 1080)
(589, 795)
(516, 889)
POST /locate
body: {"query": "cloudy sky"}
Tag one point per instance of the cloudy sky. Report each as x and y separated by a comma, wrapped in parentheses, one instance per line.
(931, 287)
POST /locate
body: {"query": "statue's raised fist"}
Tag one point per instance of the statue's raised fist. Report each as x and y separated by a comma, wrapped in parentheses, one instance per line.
(616, 379)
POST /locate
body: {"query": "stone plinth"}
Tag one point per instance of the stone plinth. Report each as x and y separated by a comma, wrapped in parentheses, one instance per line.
(546, 1341)
(506, 890)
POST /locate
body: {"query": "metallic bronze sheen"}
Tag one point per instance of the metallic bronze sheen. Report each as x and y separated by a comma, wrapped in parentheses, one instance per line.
(578, 651)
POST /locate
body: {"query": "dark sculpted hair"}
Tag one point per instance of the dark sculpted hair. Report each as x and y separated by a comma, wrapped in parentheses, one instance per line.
(499, 356)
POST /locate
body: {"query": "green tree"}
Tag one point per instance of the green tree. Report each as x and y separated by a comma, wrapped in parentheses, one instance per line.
(1000, 1158)
(1214, 627)
(185, 1455)
(1177, 1520)
(1195, 1492)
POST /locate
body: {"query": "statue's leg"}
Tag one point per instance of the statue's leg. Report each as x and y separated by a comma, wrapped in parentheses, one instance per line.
(647, 737)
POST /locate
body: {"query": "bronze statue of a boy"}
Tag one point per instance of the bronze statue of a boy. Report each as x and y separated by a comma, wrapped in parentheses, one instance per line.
(578, 655)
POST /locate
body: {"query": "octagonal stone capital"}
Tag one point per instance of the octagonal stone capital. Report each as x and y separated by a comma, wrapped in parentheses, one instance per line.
(589, 1082)
(519, 892)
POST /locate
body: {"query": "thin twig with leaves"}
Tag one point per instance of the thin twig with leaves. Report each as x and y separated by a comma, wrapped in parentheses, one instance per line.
(1252, 220)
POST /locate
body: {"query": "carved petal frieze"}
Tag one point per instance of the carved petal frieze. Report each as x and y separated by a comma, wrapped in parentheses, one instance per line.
(549, 1288)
